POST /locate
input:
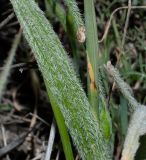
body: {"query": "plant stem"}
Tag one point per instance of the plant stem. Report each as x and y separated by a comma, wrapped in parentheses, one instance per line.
(7, 67)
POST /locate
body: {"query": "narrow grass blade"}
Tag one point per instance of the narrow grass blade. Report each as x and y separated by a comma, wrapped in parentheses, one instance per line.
(92, 52)
(54, 8)
(7, 67)
(75, 28)
(65, 92)
(95, 90)
(124, 87)
(75, 20)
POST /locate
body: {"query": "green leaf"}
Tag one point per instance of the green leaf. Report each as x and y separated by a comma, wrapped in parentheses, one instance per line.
(64, 89)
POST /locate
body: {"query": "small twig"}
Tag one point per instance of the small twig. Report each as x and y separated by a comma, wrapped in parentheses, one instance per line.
(38, 157)
(39, 118)
(17, 142)
(4, 135)
(51, 141)
(21, 66)
(5, 21)
(7, 149)
(5, 73)
(111, 17)
(36, 89)
(12, 24)
(58, 154)
(33, 120)
(4, 139)
(126, 23)
(8, 11)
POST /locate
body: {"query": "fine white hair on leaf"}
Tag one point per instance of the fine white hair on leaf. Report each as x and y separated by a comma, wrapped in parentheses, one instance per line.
(136, 129)
(64, 90)
(74, 10)
(124, 87)
(78, 24)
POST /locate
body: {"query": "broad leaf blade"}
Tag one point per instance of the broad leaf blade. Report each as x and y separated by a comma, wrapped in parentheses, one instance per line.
(62, 84)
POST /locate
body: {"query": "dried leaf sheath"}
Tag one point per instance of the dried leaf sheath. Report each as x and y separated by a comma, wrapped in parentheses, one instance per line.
(63, 87)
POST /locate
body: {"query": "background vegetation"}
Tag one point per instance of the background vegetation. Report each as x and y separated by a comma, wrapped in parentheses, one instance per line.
(104, 40)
